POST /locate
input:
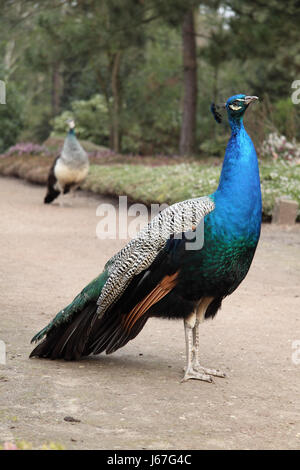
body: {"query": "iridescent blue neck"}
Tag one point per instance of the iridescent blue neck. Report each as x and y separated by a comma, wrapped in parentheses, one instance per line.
(71, 131)
(240, 166)
(238, 196)
(236, 124)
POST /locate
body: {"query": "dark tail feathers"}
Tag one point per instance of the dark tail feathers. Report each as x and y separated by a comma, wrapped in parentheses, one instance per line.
(87, 334)
(68, 340)
(51, 195)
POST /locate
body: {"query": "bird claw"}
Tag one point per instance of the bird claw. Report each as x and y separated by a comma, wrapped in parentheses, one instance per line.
(65, 204)
(199, 372)
(193, 374)
(205, 370)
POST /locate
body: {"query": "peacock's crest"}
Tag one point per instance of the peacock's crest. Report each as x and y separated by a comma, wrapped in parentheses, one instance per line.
(215, 108)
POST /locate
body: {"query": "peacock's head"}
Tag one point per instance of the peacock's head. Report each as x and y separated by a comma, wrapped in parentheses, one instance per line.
(71, 123)
(236, 106)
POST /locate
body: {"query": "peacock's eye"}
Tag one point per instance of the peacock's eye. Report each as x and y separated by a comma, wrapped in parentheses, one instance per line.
(235, 106)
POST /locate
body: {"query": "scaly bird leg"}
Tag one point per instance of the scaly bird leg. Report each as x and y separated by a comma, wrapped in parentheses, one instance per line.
(196, 364)
(73, 191)
(194, 370)
(63, 203)
(190, 372)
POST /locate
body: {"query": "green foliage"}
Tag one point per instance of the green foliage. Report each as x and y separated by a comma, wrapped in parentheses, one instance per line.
(279, 179)
(150, 110)
(151, 113)
(165, 183)
(59, 56)
(279, 147)
(178, 182)
(11, 119)
(132, 141)
(24, 445)
(214, 147)
(91, 119)
(284, 117)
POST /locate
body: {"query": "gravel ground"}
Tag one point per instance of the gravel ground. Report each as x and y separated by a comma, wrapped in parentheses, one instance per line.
(133, 399)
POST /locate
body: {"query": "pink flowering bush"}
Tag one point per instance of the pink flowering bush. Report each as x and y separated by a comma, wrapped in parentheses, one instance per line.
(24, 445)
(27, 148)
(9, 446)
(277, 146)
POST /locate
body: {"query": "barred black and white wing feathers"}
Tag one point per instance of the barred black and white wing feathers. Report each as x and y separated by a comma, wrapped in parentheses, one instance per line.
(142, 250)
(115, 306)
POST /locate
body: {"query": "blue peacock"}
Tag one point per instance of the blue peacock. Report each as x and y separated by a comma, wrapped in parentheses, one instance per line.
(69, 169)
(158, 275)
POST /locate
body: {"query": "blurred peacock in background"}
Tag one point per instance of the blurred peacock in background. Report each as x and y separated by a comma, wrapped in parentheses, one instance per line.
(69, 169)
(165, 272)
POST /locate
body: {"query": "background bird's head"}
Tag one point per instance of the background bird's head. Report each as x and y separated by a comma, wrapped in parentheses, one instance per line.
(71, 123)
(236, 106)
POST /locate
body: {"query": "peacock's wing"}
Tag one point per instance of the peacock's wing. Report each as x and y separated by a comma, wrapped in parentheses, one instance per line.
(82, 327)
(143, 274)
(142, 250)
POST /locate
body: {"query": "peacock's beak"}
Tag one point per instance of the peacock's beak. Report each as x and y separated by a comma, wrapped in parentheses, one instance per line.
(250, 99)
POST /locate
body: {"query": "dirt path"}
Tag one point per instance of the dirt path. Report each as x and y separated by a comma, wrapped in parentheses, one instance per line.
(134, 399)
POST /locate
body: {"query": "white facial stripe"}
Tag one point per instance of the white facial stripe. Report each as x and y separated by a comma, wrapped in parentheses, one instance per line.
(234, 107)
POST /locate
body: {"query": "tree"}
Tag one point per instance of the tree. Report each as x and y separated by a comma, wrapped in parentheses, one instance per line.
(188, 127)
(108, 32)
(10, 118)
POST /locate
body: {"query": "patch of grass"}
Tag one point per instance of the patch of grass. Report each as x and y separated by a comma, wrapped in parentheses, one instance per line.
(279, 179)
(170, 183)
(24, 445)
(183, 181)
(55, 143)
(167, 183)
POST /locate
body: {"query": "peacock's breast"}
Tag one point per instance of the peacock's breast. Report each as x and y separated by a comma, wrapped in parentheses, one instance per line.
(223, 262)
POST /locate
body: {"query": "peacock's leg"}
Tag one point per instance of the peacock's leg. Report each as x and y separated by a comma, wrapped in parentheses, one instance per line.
(194, 370)
(63, 203)
(196, 364)
(73, 190)
(190, 372)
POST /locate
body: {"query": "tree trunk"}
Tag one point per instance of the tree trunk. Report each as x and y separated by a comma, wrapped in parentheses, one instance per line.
(188, 125)
(115, 85)
(56, 88)
(215, 96)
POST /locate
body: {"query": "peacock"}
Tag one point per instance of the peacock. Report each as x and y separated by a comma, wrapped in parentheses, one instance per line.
(165, 271)
(69, 169)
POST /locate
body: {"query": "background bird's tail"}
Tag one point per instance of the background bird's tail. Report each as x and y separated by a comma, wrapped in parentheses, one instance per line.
(51, 195)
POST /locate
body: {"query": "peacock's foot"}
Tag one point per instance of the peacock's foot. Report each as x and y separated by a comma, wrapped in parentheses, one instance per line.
(196, 375)
(204, 370)
(65, 203)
